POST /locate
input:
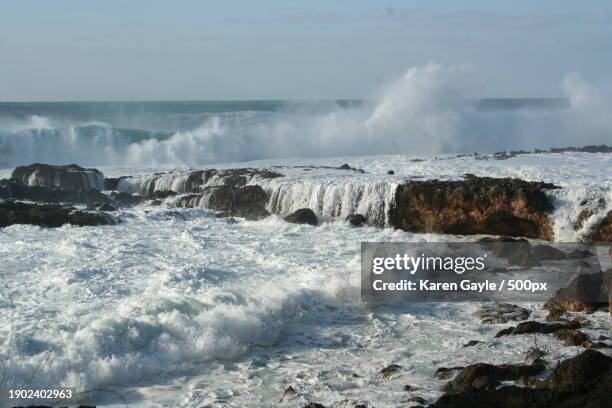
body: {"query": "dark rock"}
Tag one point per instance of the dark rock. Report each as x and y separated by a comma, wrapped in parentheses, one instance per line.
(314, 405)
(501, 313)
(126, 199)
(483, 376)
(346, 166)
(517, 251)
(390, 370)
(579, 254)
(417, 399)
(303, 216)
(49, 215)
(444, 373)
(585, 293)
(101, 207)
(246, 202)
(16, 190)
(162, 194)
(580, 370)
(71, 177)
(111, 183)
(475, 205)
(356, 220)
(547, 253)
(594, 344)
(570, 337)
(409, 387)
(289, 393)
(537, 327)
(555, 315)
(390, 172)
(471, 343)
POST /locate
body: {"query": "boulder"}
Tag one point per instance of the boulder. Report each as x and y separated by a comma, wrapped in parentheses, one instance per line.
(111, 183)
(482, 376)
(16, 190)
(390, 370)
(71, 177)
(585, 293)
(501, 313)
(303, 216)
(49, 215)
(474, 205)
(538, 327)
(547, 253)
(356, 220)
(247, 202)
(570, 337)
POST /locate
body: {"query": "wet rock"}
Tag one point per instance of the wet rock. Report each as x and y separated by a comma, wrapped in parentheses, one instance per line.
(409, 387)
(303, 216)
(517, 251)
(126, 199)
(483, 376)
(288, 393)
(390, 370)
(594, 344)
(162, 194)
(16, 190)
(417, 399)
(111, 183)
(555, 315)
(501, 313)
(603, 232)
(585, 293)
(444, 373)
(246, 202)
(570, 337)
(71, 177)
(537, 327)
(356, 220)
(582, 381)
(535, 355)
(579, 254)
(314, 405)
(101, 207)
(471, 343)
(49, 215)
(474, 205)
(346, 166)
(390, 172)
(547, 253)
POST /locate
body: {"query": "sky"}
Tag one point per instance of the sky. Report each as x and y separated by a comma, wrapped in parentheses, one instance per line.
(271, 49)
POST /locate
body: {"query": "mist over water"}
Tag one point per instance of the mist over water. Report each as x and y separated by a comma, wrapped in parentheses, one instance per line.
(426, 111)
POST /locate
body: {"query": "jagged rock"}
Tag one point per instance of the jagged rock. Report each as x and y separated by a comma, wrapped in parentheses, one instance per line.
(303, 216)
(356, 220)
(570, 337)
(474, 205)
(547, 253)
(49, 215)
(582, 381)
(390, 370)
(346, 166)
(603, 232)
(483, 376)
(444, 373)
(501, 313)
(71, 177)
(16, 190)
(585, 293)
(537, 327)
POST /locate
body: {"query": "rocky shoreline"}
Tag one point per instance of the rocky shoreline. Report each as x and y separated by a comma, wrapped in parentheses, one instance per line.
(472, 205)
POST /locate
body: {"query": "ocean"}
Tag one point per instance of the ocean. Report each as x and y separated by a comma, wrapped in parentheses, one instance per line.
(176, 307)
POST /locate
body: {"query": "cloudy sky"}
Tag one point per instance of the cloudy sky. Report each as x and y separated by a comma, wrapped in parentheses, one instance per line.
(283, 49)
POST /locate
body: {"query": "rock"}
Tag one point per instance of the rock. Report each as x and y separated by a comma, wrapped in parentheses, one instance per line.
(356, 220)
(111, 183)
(409, 387)
(474, 205)
(390, 172)
(537, 327)
(483, 376)
(579, 254)
(288, 393)
(314, 405)
(501, 313)
(555, 315)
(71, 177)
(390, 370)
(417, 399)
(547, 253)
(517, 251)
(570, 337)
(162, 194)
(535, 355)
(246, 202)
(101, 207)
(585, 293)
(303, 216)
(346, 166)
(603, 232)
(16, 190)
(582, 381)
(471, 343)
(126, 199)
(49, 215)
(594, 344)
(444, 373)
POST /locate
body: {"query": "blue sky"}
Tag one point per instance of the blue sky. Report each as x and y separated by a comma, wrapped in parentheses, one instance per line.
(265, 49)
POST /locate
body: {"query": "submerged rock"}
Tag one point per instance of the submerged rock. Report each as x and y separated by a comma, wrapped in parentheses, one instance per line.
(390, 370)
(303, 216)
(49, 215)
(474, 205)
(70, 177)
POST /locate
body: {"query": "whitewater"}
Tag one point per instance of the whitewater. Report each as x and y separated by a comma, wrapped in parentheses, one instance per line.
(176, 307)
